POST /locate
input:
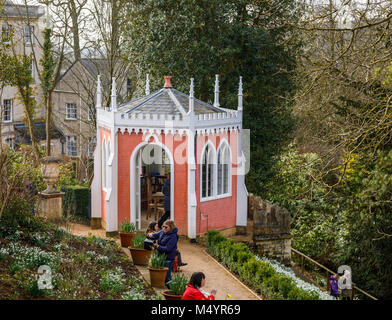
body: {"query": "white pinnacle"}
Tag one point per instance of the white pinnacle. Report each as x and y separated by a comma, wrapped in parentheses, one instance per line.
(240, 95)
(147, 85)
(191, 98)
(216, 92)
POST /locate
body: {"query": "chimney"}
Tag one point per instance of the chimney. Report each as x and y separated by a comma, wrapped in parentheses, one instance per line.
(167, 82)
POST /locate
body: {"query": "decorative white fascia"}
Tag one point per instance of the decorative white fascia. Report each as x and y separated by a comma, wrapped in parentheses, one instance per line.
(203, 124)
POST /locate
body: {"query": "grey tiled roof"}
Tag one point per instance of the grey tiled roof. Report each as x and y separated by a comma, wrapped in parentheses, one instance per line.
(161, 102)
(15, 10)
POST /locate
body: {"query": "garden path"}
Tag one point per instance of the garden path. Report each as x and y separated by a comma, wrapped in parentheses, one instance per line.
(198, 260)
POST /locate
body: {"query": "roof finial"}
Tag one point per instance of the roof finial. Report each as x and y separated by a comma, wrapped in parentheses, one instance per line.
(99, 92)
(167, 82)
(114, 95)
(147, 85)
(216, 92)
(191, 98)
(240, 95)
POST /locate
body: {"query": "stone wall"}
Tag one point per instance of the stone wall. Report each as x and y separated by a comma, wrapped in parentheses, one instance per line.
(271, 229)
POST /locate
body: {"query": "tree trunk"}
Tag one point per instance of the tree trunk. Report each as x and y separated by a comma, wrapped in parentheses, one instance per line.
(75, 29)
(47, 121)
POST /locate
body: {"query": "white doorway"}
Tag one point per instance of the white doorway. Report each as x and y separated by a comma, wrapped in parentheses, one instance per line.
(148, 158)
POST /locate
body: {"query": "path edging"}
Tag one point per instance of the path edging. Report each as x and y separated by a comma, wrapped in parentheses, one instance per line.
(234, 277)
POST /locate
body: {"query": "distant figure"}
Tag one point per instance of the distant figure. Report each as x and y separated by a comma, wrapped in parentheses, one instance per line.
(166, 200)
(194, 289)
(167, 244)
(31, 192)
(333, 287)
(152, 227)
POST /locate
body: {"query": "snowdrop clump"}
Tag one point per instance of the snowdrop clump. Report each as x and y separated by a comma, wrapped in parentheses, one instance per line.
(282, 269)
(134, 294)
(30, 256)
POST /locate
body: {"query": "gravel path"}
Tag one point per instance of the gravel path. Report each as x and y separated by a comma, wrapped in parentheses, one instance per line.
(198, 260)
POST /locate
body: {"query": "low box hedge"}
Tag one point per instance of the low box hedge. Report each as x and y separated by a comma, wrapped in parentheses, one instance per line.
(259, 275)
(76, 202)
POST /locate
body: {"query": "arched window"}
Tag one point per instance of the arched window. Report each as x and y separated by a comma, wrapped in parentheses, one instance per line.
(223, 169)
(207, 172)
(108, 171)
(104, 161)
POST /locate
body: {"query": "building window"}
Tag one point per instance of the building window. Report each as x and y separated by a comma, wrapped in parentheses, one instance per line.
(29, 34)
(91, 112)
(129, 86)
(10, 142)
(70, 111)
(7, 110)
(223, 169)
(92, 142)
(6, 33)
(71, 146)
(207, 173)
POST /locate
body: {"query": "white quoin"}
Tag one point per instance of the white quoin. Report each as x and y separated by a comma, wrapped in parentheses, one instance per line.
(216, 92)
(99, 92)
(114, 95)
(147, 84)
(240, 95)
(191, 97)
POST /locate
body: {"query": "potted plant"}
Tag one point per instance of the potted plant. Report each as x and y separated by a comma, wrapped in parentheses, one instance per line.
(157, 269)
(177, 287)
(127, 232)
(140, 256)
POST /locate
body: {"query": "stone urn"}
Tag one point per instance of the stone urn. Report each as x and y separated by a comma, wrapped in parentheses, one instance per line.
(50, 172)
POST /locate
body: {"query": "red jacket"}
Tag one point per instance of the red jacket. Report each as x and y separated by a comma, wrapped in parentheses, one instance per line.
(191, 293)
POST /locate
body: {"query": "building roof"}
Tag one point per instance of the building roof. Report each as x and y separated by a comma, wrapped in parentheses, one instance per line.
(18, 10)
(93, 65)
(22, 135)
(167, 101)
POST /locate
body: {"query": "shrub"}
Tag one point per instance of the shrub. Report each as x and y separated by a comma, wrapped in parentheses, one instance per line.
(260, 274)
(76, 202)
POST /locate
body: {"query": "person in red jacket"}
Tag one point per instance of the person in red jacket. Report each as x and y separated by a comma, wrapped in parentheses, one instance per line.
(194, 289)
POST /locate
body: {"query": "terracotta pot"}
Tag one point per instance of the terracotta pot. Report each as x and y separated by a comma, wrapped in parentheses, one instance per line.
(140, 256)
(126, 239)
(169, 296)
(157, 277)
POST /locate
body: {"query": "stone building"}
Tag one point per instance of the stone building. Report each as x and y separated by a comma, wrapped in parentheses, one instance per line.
(73, 129)
(25, 25)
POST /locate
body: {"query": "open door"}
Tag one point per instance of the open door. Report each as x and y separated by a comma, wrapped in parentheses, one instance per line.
(138, 172)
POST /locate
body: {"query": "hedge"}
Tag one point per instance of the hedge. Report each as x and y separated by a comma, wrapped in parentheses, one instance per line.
(257, 274)
(76, 201)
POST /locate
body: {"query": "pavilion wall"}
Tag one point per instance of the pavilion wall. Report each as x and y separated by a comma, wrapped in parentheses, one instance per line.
(221, 211)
